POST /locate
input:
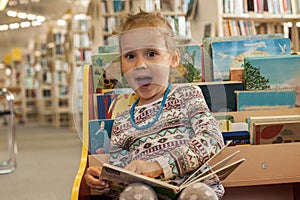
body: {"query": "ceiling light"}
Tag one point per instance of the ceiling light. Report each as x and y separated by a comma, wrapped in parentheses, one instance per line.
(3, 4)
(36, 23)
(40, 18)
(31, 17)
(61, 22)
(4, 27)
(8, 71)
(25, 24)
(12, 13)
(79, 16)
(290, 24)
(14, 26)
(22, 15)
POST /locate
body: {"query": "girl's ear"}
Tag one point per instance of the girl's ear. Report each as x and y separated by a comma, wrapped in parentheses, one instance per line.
(175, 59)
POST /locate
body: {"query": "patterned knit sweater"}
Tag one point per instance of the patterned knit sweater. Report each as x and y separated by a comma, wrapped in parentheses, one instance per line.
(184, 137)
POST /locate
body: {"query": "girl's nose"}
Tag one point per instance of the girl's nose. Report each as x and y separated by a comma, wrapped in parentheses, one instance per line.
(140, 63)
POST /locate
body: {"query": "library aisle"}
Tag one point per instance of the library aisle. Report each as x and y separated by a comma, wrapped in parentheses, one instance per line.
(47, 161)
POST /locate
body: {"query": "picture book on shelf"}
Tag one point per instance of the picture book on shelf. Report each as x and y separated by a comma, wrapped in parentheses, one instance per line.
(273, 72)
(106, 71)
(230, 54)
(111, 102)
(99, 135)
(274, 129)
(265, 99)
(190, 67)
(208, 73)
(119, 178)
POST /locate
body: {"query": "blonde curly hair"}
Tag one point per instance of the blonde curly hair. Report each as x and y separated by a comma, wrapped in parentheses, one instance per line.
(153, 19)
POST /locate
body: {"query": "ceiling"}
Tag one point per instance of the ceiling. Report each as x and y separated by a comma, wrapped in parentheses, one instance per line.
(20, 38)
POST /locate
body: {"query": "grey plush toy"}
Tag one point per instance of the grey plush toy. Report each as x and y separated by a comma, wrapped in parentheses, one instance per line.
(198, 191)
(138, 191)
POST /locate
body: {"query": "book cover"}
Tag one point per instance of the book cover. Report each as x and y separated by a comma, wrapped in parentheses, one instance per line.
(277, 133)
(99, 135)
(110, 103)
(208, 73)
(190, 66)
(230, 54)
(119, 178)
(265, 99)
(106, 71)
(273, 72)
(274, 129)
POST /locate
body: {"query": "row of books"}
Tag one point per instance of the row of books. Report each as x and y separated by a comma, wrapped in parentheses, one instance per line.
(277, 7)
(261, 130)
(81, 25)
(239, 27)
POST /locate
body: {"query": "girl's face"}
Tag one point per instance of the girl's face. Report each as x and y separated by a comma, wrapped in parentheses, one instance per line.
(146, 62)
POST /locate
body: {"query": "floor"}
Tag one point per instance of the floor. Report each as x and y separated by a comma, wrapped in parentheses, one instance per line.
(47, 162)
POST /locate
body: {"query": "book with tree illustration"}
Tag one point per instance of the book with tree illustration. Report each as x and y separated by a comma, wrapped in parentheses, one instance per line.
(190, 66)
(273, 72)
(119, 178)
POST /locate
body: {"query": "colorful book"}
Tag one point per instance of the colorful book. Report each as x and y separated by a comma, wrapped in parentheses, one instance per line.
(208, 72)
(99, 135)
(265, 99)
(120, 178)
(274, 129)
(112, 102)
(273, 72)
(190, 67)
(230, 54)
(106, 70)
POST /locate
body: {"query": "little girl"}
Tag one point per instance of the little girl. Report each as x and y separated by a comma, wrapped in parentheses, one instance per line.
(169, 131)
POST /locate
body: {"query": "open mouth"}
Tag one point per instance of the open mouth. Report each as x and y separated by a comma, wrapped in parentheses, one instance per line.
(144, 81)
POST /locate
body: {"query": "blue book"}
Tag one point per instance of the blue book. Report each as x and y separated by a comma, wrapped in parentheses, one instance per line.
(99, 135)
(264, 99)
(230, 54)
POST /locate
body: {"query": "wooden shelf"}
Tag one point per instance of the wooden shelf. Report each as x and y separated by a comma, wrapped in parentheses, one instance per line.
(265, 164)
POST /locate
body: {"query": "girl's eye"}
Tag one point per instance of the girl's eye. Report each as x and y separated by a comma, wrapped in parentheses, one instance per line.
(151, 53)
(130, 56)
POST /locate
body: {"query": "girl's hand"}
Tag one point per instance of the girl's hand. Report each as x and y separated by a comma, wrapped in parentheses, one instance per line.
(91, 177)
(150, 169)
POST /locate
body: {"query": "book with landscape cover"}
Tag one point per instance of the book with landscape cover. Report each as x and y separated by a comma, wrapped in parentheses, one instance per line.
(229, 55)
(119, 178)
(208, 72)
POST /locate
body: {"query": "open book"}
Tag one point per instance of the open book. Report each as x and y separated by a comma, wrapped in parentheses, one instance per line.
(119, 178)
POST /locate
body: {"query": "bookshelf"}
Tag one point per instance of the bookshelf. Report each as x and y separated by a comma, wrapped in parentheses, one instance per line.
(16, 88)
(41, 58)
(60, 79)
(29, 89)
(248, 17)
(79, 49)
(108, 15)
(267, 167)
(270, 172)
